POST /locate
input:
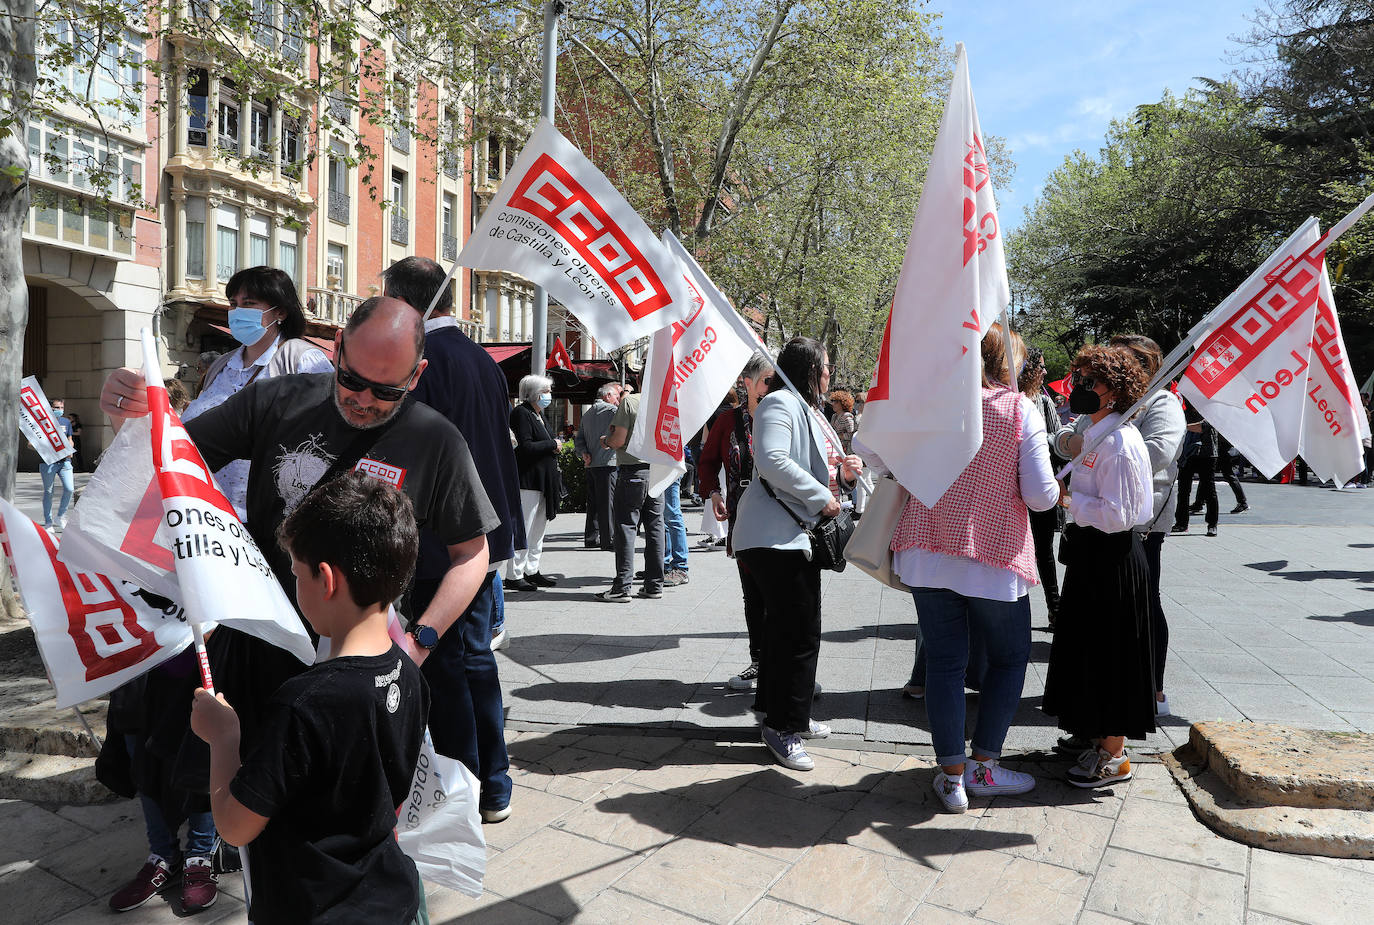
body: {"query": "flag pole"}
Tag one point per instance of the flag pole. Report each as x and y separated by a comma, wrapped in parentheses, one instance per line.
(1178, 358)
(539, 334)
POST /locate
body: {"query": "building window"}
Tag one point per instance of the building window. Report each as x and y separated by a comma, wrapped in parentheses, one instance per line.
(263, 22)
(286, 251)
(228, 124)
(292, 34)
(260, 131)
(338, 182)
(335, 263)
(291, 146)
(400, 215)
(449, 241)
(109, 80)
(227, 242)
(195, 237)
(493, 157)
(258, 239)
(197, 102)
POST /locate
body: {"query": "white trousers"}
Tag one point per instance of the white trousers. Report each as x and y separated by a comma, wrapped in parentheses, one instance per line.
(526, 561)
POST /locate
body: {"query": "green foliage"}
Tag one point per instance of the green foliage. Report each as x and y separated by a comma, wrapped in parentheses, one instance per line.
(574, 478)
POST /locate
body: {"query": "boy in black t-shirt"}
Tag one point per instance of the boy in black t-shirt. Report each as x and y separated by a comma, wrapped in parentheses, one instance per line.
(315, 801)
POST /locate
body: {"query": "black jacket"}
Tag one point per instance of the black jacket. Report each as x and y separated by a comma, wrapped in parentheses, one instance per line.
(536, 456)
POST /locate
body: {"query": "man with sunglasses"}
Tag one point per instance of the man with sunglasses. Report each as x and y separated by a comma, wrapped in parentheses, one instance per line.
(299, 430)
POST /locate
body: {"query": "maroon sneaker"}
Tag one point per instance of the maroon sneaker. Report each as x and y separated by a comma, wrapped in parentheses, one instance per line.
(199, 885)
(154, 877)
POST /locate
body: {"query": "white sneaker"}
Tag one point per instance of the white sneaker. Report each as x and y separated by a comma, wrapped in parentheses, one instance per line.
(61, 524)
(1097, 768)
(816, 731)
(499, 640)
(1162, 707)
(950, 789)
(988, 778)
(788, 749)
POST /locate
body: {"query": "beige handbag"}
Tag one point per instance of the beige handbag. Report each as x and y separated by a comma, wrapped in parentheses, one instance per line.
(870, 547)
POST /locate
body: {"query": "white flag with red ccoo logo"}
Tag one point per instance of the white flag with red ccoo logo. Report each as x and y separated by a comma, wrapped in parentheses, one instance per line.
(94, 633)
(556, 220)
(924, 415)
(167, 527)
(1272, 374)
(689, 369)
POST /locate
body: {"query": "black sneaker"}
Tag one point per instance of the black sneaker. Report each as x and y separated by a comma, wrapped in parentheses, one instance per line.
(521, 584)
(540, 580)
(1073, 745)
(744, 681)
(1211, 531)
(652, 594)
(1240, 508)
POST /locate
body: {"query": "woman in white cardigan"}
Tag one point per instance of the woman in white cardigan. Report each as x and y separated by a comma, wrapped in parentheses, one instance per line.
(801, 459)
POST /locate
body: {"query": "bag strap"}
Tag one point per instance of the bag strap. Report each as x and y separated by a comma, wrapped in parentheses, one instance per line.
(806, 528)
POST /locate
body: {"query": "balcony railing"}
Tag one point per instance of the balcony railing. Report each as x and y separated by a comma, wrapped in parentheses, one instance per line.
(450, 247)
(334, 306)
(338, 206)
(338, 108)
(400, 228)
(453, 162)
(400, 140)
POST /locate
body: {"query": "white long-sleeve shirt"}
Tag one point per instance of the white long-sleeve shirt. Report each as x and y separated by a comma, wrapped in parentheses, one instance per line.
(920, 568)
(1112, 487)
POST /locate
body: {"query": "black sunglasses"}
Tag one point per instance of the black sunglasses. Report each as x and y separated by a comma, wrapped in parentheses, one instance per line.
(1088, 382)
(355, 383)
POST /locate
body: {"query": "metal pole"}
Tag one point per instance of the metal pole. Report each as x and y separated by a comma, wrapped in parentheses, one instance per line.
(550, 73)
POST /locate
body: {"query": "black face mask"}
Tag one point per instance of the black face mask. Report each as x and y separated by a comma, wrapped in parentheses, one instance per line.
(1083, 400)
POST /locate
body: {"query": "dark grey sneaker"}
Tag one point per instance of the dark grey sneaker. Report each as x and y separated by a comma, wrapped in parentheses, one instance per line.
(612, 596)
(674, 578)
(652, 594)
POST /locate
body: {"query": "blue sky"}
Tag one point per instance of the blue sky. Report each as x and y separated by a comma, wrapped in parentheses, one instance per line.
(1049, 77)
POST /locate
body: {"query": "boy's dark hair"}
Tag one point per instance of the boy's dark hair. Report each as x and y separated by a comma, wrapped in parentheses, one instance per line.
(363, 527)
(414, 281)
(273, 286)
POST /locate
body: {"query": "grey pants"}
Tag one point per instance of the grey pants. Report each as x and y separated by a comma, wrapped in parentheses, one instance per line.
(600, 507)
(633, 505)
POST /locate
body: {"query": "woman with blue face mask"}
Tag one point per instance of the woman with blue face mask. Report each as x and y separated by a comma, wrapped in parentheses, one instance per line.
(541, 486)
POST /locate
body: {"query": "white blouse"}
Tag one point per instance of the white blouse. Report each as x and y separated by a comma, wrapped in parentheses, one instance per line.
(232, 378)
(921, 568)
(1112, 487)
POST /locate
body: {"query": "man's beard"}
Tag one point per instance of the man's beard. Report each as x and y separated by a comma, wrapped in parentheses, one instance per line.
(349, 414)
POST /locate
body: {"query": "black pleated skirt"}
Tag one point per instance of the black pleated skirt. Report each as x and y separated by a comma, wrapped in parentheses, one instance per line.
(1101, 672)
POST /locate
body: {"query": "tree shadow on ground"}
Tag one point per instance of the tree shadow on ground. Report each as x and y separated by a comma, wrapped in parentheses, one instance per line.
(1358, 617)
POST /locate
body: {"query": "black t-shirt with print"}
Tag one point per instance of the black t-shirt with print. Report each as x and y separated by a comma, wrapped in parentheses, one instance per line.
(334, 760)
(291, 432)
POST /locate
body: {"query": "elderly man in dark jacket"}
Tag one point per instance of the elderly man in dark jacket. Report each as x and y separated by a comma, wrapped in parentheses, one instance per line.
(600, 462)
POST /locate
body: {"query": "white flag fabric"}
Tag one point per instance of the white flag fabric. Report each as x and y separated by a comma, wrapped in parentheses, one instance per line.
(923, 414)
(94, 633)
(161, 521)
(1272, 374)
(556, 220)
(690, 367)
(38, 424)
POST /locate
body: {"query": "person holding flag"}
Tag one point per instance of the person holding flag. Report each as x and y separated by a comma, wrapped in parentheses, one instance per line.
(1101, 683)
(969, 561)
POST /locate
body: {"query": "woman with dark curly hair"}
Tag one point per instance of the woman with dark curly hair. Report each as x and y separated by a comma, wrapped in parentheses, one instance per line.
(1101, 676)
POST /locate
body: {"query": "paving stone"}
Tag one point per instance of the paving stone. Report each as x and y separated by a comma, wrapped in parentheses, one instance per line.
(1044, 833)
(557, 872)
(927, 914)
(709, 880)
(920, 832)
(632, 817)
(445, 906)
(1306, 890)
(43, 832)
(1001, 888)
(1151, 781)
(26, 887)
(531, 810)
(853, 883)
(768, 823)
(769, 911)
(1168, 830)
(1161, 892)
(612, 907)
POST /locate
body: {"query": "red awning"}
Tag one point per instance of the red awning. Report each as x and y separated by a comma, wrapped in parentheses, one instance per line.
(502, 352)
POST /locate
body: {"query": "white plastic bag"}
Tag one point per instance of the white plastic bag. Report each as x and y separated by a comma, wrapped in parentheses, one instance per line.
(439, 825)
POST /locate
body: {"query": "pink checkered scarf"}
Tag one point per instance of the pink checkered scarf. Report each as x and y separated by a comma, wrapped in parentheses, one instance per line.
(982, 516)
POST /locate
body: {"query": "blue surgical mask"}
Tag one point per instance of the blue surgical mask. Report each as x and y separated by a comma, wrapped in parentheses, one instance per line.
(544, 401)
(246, 325)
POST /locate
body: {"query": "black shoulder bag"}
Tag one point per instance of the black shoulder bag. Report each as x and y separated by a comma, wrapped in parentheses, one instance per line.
(828, 537)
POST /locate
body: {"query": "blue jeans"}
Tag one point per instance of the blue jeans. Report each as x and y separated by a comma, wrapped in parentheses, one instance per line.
(948, 622)
(162, 832)
(62, 469)
(498, 614)
(674, 530)
(466, 717)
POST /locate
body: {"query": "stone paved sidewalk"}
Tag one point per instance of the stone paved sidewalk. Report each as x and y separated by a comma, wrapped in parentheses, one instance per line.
(655, 828)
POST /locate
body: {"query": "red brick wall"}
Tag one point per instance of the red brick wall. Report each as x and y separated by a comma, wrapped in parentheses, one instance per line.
(425, 222)
(372, 230)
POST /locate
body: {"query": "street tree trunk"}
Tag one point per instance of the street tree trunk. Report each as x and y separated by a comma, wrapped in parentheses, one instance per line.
(16, 89)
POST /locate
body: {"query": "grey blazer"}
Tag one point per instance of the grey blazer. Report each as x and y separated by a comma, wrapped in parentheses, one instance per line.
(787, 452)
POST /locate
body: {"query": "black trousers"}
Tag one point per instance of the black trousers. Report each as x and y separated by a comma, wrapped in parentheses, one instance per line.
(1227, 464)
(1044, 526)
(1201, 468)
(753, 609)
(791, 588)
(600, 501)
(1159, 627)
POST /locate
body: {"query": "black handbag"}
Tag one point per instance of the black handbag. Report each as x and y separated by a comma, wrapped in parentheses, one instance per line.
(828, 537)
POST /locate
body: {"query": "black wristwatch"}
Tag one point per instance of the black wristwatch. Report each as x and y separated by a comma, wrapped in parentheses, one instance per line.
(426, 637)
